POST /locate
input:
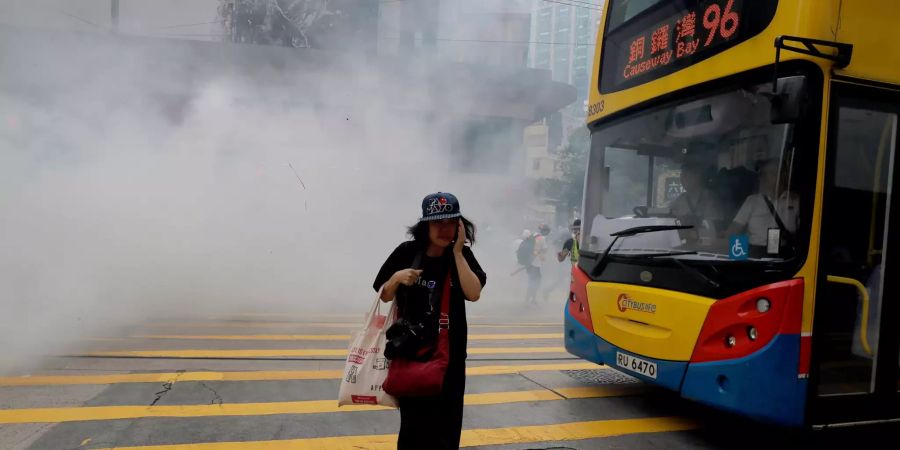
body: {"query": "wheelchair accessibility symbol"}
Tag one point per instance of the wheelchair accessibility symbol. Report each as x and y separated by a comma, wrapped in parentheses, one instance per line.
(738, 245)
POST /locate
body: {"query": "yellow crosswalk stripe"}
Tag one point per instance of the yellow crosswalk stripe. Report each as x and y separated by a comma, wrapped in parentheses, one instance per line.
(333, 337)
(243, 324)
(501, 370)
(249, 337)
(166, 377)
(300, 352)
(572, 431)
(249, 324)
(615, 390)
(94, 413)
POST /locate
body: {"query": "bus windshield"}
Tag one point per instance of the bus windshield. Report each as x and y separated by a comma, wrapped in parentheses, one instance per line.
(716, 165)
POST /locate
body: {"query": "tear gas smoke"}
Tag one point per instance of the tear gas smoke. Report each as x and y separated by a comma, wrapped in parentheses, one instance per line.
(146, 178)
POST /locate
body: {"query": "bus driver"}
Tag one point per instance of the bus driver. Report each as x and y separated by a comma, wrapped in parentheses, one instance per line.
(697, 205)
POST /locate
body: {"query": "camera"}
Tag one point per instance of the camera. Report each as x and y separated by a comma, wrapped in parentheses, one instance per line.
(409, 340)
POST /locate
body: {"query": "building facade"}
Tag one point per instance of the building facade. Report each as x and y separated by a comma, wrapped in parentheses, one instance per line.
(563, 38)
(492, 32)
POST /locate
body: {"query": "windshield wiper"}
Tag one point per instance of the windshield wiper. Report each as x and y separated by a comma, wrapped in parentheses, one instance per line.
(662, 255)
(633, 231)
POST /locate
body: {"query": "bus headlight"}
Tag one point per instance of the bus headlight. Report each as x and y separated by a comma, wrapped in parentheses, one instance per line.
(763, 305)
(752, 333)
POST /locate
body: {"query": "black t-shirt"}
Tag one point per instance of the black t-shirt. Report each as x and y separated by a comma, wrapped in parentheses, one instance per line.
(412, 300)
(569, 244)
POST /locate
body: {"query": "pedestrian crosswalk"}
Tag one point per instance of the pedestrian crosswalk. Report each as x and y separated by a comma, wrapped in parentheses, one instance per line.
(336, 337)
(571, 431)
(94, 413)
(297, 352)
(240, 324)
(166, 377)
(508, 401)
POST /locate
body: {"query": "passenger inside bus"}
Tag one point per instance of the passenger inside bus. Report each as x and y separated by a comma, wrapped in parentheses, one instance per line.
(771, 216)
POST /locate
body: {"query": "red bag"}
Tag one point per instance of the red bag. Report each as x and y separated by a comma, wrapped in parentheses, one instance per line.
(409, 378)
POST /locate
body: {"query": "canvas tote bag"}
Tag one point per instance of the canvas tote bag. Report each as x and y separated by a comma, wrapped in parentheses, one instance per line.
(366, 367)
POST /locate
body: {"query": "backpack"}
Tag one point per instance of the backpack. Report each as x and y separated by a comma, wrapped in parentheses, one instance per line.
(525, 252)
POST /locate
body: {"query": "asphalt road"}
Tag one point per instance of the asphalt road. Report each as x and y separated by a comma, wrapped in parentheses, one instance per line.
(271, 382)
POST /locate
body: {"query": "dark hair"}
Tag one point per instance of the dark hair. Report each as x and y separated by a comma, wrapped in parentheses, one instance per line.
(419, 231)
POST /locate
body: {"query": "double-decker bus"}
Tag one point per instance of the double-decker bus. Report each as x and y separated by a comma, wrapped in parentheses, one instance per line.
(738, 203)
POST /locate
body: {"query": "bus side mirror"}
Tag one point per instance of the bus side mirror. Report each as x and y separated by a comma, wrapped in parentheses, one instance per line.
(788, 99)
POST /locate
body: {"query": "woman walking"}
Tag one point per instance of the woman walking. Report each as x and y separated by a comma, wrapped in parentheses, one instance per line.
(412, 274)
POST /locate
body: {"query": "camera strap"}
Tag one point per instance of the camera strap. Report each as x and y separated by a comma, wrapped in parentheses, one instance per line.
(416, 263)
(444, 321)
(444, 318)
(417, 260)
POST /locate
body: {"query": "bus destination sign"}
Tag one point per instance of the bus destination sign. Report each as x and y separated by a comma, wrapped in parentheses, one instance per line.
(651, 46)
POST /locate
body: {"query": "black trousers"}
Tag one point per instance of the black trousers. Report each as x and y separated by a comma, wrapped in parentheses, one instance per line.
(435, 422)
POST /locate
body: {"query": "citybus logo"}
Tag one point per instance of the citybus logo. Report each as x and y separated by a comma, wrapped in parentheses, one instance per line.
(625, 302)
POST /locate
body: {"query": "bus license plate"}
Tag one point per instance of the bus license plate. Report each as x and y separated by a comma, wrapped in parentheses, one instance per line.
(638, 365)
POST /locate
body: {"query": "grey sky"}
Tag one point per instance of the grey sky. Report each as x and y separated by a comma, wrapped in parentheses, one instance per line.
(136, 16)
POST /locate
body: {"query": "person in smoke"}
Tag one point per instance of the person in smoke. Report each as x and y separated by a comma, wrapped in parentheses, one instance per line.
(570, 246)
(554, 275)
(438, 246)
(533, 267)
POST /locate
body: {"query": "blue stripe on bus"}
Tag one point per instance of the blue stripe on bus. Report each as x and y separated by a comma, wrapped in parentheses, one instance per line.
(583, 343)
(579, 340)
(763, 385)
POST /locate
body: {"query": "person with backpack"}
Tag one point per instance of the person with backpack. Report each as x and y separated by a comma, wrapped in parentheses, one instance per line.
(530, 256)
(415, 275)
(525, 248)
(525, 258)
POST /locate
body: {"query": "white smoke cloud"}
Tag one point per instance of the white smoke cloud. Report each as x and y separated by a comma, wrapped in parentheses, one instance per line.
(139, 180)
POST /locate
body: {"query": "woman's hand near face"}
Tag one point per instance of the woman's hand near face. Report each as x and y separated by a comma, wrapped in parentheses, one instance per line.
(469, 282)
(460, 238)
(407, 277)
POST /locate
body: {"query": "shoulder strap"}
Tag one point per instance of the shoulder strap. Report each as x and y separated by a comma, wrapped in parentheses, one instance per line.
(775, 215)
(444, 320)
(417, 260)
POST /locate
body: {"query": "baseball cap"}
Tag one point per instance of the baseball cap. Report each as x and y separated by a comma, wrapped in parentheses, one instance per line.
(440, 205)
